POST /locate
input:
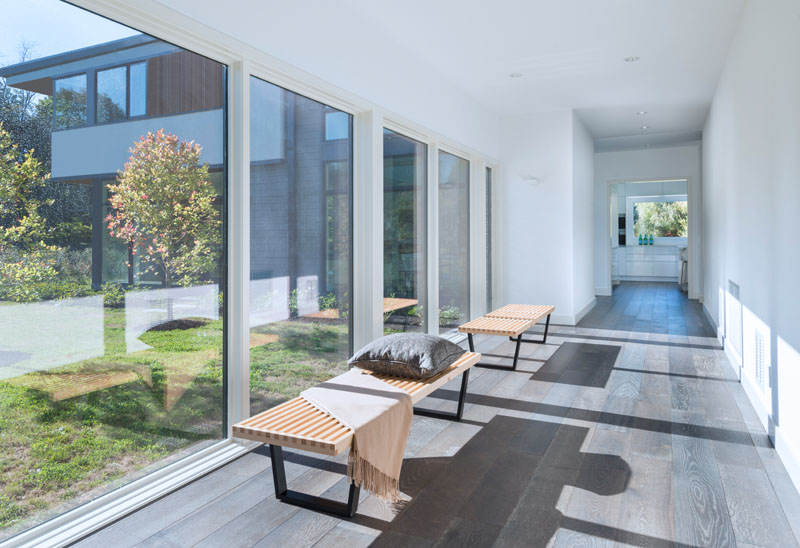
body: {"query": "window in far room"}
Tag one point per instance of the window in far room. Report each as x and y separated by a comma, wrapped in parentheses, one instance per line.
(661, 217)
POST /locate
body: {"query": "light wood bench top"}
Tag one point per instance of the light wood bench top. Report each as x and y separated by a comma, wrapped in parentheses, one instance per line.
(533, 312)
(299, 425)
(506, 327)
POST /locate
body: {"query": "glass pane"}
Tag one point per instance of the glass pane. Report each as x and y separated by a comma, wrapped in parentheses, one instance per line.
(138, 96)
(453, 241)
(70, 102)
(103, 381)
(300, 246)
(337, 125)
(405, 175)
(111, 92)
(661, 219)
(489, 281)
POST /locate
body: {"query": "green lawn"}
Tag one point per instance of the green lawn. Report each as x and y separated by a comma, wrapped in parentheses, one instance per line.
(149, 405)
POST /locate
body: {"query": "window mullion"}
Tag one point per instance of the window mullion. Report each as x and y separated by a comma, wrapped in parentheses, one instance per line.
(238, 290)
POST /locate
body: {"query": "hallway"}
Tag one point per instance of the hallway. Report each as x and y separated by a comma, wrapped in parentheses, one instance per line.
(629, 429)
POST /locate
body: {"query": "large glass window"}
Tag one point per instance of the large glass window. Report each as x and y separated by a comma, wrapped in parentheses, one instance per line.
(300, 243)
(453, 241)
(69, 101)
(111, 286)
(405, 172)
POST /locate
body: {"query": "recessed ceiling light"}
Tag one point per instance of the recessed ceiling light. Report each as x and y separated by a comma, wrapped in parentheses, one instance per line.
(515, 75)
(631, 59)
(641, 112)
(645, 127)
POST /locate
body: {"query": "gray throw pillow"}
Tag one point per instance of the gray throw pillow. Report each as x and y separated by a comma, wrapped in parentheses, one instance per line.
(412, 355)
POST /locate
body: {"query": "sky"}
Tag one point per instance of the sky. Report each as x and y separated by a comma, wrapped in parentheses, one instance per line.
(51, 26)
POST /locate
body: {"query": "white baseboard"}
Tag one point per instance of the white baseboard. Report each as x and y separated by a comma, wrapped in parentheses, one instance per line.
(573, 319)
(734, 358)
(713, 323)
(562, 319)
(668, 279)
(789, 459)
(585, 310)
(756, 401)
(603, 291)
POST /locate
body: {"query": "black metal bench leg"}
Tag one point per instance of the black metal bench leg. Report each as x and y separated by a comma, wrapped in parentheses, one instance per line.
(462, 396)
(544, 339)
(512, 367)
(303, 500)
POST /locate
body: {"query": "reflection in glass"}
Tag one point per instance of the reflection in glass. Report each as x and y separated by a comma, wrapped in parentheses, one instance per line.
(138, 89)
(70, 102)
(405, 168)
(300, 244)
(111, 332)
(111, 93)
(453, 241)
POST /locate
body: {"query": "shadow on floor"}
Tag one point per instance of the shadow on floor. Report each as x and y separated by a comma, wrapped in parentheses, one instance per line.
(579, 364)
(614, 419)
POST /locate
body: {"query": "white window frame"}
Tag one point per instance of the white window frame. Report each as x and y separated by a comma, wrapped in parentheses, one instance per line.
(633, 200)
(244, 61)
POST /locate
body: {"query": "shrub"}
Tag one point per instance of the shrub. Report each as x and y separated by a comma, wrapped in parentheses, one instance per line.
(448, 315)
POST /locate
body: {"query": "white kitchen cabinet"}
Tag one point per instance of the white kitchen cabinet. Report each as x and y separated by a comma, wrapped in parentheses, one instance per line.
(646, 261)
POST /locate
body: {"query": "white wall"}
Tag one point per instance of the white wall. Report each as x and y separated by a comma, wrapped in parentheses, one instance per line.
(343, 47)
(539, 233)
(679, 162)
(582, 218)
(751, 169)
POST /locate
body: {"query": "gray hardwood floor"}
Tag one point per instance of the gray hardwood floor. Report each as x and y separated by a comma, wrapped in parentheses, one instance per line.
(629, 429)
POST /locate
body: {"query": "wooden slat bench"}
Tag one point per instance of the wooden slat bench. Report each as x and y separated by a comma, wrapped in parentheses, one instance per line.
(533, 312)
(299, 425)
(509, 321)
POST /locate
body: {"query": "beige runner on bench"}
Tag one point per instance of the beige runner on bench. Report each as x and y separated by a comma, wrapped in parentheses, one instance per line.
(379, 415)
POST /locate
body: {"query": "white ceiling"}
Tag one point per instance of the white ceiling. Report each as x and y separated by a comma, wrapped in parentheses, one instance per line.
(571, 55)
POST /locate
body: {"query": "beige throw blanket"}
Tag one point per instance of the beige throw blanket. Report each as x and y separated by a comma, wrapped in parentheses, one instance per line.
(380, 416)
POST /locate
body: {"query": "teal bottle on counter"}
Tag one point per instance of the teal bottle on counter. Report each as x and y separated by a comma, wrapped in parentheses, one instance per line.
(640, 239)
(651, 239)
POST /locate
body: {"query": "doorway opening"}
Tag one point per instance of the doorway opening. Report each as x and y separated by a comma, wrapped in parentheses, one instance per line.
(649, 231)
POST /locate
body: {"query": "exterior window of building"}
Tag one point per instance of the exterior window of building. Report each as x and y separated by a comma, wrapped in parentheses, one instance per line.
(337, 125)
(300, 244)
(489, 281)
(112, 94)
(405, 172)
(138, 90)
(69, 102)
(453, 241)
(121, 93)
(111, 330)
